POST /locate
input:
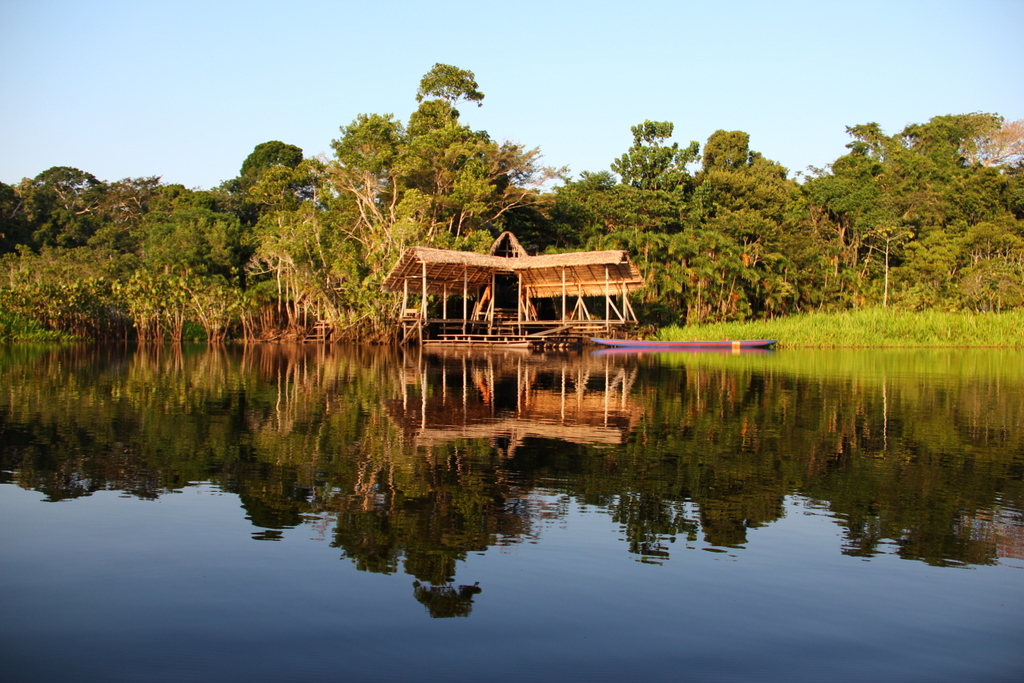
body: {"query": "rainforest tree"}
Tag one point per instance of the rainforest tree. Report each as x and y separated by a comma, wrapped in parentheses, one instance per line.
(929, 217)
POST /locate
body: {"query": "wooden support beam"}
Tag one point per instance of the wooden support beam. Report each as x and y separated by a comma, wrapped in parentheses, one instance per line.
(607, 297)
(615, 309)
(581, 305)
(519, 297)
(629, 307)
(624, 301)
(554, 330)
(490, 307)
(423, 304)
(563, 293)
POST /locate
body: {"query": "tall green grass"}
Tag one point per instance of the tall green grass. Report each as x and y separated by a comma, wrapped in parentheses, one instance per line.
(869, 328)
(14, 327)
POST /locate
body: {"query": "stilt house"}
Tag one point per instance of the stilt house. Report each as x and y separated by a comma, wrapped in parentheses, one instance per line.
(508, 297)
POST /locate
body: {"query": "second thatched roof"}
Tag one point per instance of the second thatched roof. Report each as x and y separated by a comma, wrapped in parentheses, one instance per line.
(590, 273)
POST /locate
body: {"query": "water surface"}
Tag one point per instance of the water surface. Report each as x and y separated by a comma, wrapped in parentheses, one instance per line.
(304, 513)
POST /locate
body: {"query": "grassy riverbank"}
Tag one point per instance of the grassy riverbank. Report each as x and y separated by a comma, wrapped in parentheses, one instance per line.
(864, 328)
(873, 327)
(14, 327)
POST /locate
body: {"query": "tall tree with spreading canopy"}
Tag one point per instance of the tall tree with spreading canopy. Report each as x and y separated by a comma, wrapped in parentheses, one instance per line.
(650, 164)
(1002, 147)
(451, 84)
(910, 209)
(267, 155)
(61, 205)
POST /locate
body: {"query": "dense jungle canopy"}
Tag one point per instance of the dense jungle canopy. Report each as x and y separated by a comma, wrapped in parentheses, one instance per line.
(930, 217)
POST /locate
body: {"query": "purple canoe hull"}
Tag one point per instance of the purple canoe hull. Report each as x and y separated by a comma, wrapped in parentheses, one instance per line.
(684, 345)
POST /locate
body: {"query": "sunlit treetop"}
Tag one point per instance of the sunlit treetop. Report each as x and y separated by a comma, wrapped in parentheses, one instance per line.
(451, 84)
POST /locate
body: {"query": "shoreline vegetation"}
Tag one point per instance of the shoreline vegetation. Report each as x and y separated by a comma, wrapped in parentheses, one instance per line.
(18, 328)
(869, 328)
(929, 218)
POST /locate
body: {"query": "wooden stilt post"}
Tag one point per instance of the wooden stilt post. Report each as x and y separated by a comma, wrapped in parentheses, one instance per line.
(519, 297)
(581, 305)
(607, 300)
(465, 295)
(490, 308)
(423, 304)
(405, 307)
(563, 295)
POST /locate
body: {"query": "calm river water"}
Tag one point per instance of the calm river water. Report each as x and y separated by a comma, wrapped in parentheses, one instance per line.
(325, 514)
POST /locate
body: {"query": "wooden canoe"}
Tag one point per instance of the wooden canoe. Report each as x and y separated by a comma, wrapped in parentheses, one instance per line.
(641, 345)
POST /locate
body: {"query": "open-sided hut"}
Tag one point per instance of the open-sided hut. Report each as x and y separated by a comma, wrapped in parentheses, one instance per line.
(509, 297)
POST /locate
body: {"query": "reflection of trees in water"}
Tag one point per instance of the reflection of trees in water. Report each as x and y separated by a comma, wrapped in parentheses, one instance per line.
(419, 461)
(428, 514)
(446, 601)
(651, 522)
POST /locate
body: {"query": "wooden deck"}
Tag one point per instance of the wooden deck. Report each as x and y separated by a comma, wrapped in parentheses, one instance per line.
(514, 334)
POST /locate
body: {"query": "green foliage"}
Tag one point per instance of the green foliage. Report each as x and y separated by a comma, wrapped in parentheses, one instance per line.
(649, 165)
(61, 205)
(726, 150)
(909, 219)
(431, 115)
(269, 158)
(931, 217)
(268, 155)
(14, 229)
(712, 247)
(63, 290)
(18, 328)
(869, 328)
(450, 84)
(951, 140)
(197, 240)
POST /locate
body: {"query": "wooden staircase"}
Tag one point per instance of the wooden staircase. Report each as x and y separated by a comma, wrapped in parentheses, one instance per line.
(320, 333)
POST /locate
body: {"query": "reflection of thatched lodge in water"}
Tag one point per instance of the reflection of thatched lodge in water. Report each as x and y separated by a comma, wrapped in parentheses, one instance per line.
(510, 298)
(460, 393)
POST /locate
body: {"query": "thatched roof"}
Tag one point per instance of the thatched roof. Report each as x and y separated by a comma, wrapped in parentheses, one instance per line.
(589, 272)
(507, 245)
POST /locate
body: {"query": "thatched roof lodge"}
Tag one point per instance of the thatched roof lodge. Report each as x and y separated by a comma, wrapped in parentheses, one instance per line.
(510, 297)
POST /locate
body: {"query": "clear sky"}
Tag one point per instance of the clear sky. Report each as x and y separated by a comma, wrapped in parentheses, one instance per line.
(184, 90)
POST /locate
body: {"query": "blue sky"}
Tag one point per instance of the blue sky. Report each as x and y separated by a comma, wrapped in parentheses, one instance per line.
(185, 90)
